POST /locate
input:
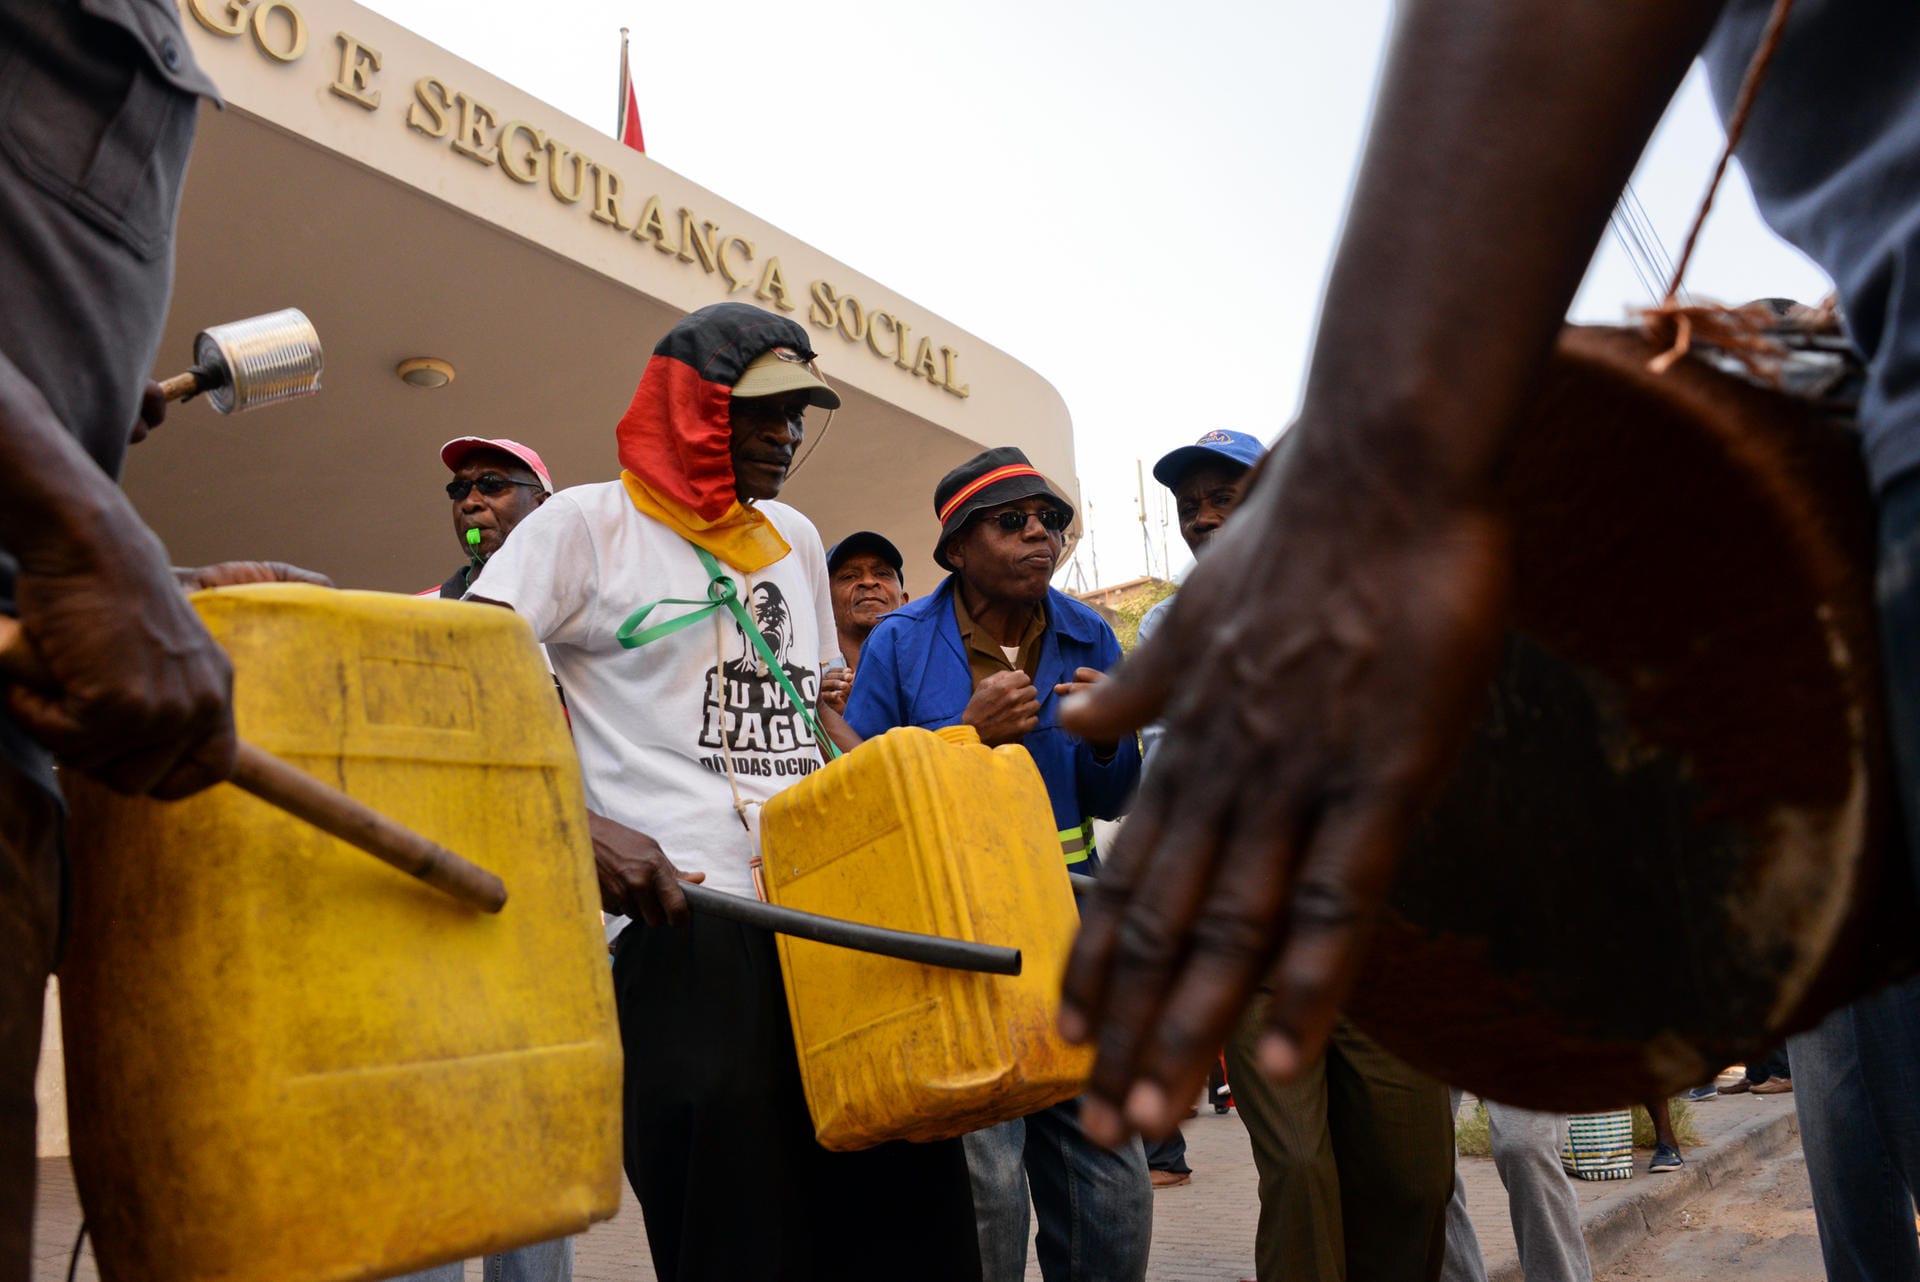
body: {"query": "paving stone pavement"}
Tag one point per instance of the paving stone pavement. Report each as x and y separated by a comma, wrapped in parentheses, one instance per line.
(1202, 1232)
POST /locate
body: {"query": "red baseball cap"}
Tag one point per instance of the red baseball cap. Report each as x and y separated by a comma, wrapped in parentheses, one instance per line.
(456, 450)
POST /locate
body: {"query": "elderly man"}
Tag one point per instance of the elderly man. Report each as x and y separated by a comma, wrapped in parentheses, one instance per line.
(688, 713)
(1378, 632)
(995, 648)
(496, 485)
(867, 576)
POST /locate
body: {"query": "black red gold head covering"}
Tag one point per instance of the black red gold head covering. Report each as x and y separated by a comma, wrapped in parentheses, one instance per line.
(676, 438)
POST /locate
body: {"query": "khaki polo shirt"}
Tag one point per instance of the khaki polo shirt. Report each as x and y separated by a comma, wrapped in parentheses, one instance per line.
(984, 655)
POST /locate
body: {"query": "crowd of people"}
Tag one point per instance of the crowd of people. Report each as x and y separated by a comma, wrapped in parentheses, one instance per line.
(1368, 558)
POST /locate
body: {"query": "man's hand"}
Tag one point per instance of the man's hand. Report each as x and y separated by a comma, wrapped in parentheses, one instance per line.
(636, 877)
(1085, 679)
(135, 691)
(1310, 701)
(153, 412)
(227, 574)
(835, 686)
(1004, 708)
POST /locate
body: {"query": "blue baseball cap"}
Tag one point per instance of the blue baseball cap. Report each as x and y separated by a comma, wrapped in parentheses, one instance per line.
(1239, 448)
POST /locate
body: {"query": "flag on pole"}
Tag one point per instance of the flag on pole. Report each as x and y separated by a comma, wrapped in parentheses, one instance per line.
(629, 130)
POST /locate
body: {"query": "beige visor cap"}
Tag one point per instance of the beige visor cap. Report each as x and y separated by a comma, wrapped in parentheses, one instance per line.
(784, 370)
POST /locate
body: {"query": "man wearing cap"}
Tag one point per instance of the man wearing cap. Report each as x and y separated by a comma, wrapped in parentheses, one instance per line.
(496, 484)
(1355, 1157)
(686, 614)
(994, 647)
(867, 577)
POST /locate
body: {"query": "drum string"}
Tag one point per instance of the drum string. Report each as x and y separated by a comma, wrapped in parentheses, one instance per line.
(1737, 330)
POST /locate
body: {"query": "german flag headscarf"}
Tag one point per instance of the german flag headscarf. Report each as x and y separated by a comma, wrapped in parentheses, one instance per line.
(676, 439)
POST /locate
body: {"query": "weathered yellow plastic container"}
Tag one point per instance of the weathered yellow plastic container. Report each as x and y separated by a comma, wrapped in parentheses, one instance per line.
(285, 1059)
(930, 832)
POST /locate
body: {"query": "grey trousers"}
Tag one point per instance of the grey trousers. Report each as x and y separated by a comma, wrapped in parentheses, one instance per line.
(541, 1262)
(1540, 1200)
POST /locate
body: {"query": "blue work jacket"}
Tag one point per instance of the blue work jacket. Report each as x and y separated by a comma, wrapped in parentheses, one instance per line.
(913, 671)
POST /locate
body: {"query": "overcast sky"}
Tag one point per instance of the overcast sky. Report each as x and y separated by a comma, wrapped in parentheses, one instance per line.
(1095, 188)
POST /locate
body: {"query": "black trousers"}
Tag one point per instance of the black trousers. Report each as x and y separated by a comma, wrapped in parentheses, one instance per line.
(719, 1146)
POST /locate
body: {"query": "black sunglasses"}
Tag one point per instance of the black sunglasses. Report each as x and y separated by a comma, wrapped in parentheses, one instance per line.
(489, 485)
(1052, 519)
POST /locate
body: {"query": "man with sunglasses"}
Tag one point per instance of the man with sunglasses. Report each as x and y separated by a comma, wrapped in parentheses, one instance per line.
(996, 648)
(496, 485)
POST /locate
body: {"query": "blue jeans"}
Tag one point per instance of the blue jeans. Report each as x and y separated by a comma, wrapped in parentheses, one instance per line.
(1857, 1077)
(1095, 1204)
(541, 1262)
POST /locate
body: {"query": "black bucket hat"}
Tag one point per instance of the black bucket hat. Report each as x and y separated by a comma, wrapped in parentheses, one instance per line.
(988, 479)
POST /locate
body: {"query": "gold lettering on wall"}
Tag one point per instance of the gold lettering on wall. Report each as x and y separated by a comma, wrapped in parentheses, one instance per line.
(523, 163)
(228, 19)
(825, 311)
(559, 158)
(431, 110)
(924, 365)
(526, 154)
(853, 319)
(873, 334)
(734, 279)
(699, 242)
(951, 358)
(653, 226)
(773, 286)
(295, 28)
(606, 197)
(475, 118)
(358, 62)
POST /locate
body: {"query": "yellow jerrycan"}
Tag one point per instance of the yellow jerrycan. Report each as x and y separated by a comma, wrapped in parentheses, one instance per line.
(927, 831)
(287, 1060)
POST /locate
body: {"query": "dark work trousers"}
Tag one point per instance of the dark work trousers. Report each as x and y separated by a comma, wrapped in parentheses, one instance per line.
(1355, 1160)
(1771, 1065)
(719, 1146)
(29, 937)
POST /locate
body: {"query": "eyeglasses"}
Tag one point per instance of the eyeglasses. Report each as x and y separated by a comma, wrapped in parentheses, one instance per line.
(1052, 520)
(490, 484)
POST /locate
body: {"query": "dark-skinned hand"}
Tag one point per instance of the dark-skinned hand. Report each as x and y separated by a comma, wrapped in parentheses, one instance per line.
(1310, 701)
(228, 574)
(636, 877)
(1004, 708)
(136, 693)
(153, 412)
(835, 686)
(1085, 679)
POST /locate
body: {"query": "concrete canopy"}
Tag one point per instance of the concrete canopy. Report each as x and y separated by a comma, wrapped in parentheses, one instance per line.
(400, 244)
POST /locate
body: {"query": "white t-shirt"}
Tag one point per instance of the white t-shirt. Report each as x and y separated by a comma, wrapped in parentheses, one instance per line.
(651, 724)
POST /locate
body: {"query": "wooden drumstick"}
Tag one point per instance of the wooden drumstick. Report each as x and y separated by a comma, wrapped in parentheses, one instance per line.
(291, 789)
(181, 386)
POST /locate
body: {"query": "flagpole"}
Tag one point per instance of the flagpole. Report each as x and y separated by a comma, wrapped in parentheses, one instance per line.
(620, 128)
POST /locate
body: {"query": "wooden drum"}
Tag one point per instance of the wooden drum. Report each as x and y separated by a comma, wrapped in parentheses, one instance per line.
(1669, 841)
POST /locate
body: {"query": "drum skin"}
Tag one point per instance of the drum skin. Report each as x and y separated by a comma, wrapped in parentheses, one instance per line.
(1667, 843)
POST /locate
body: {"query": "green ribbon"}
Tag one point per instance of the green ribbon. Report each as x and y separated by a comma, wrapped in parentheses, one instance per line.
(722, 594)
